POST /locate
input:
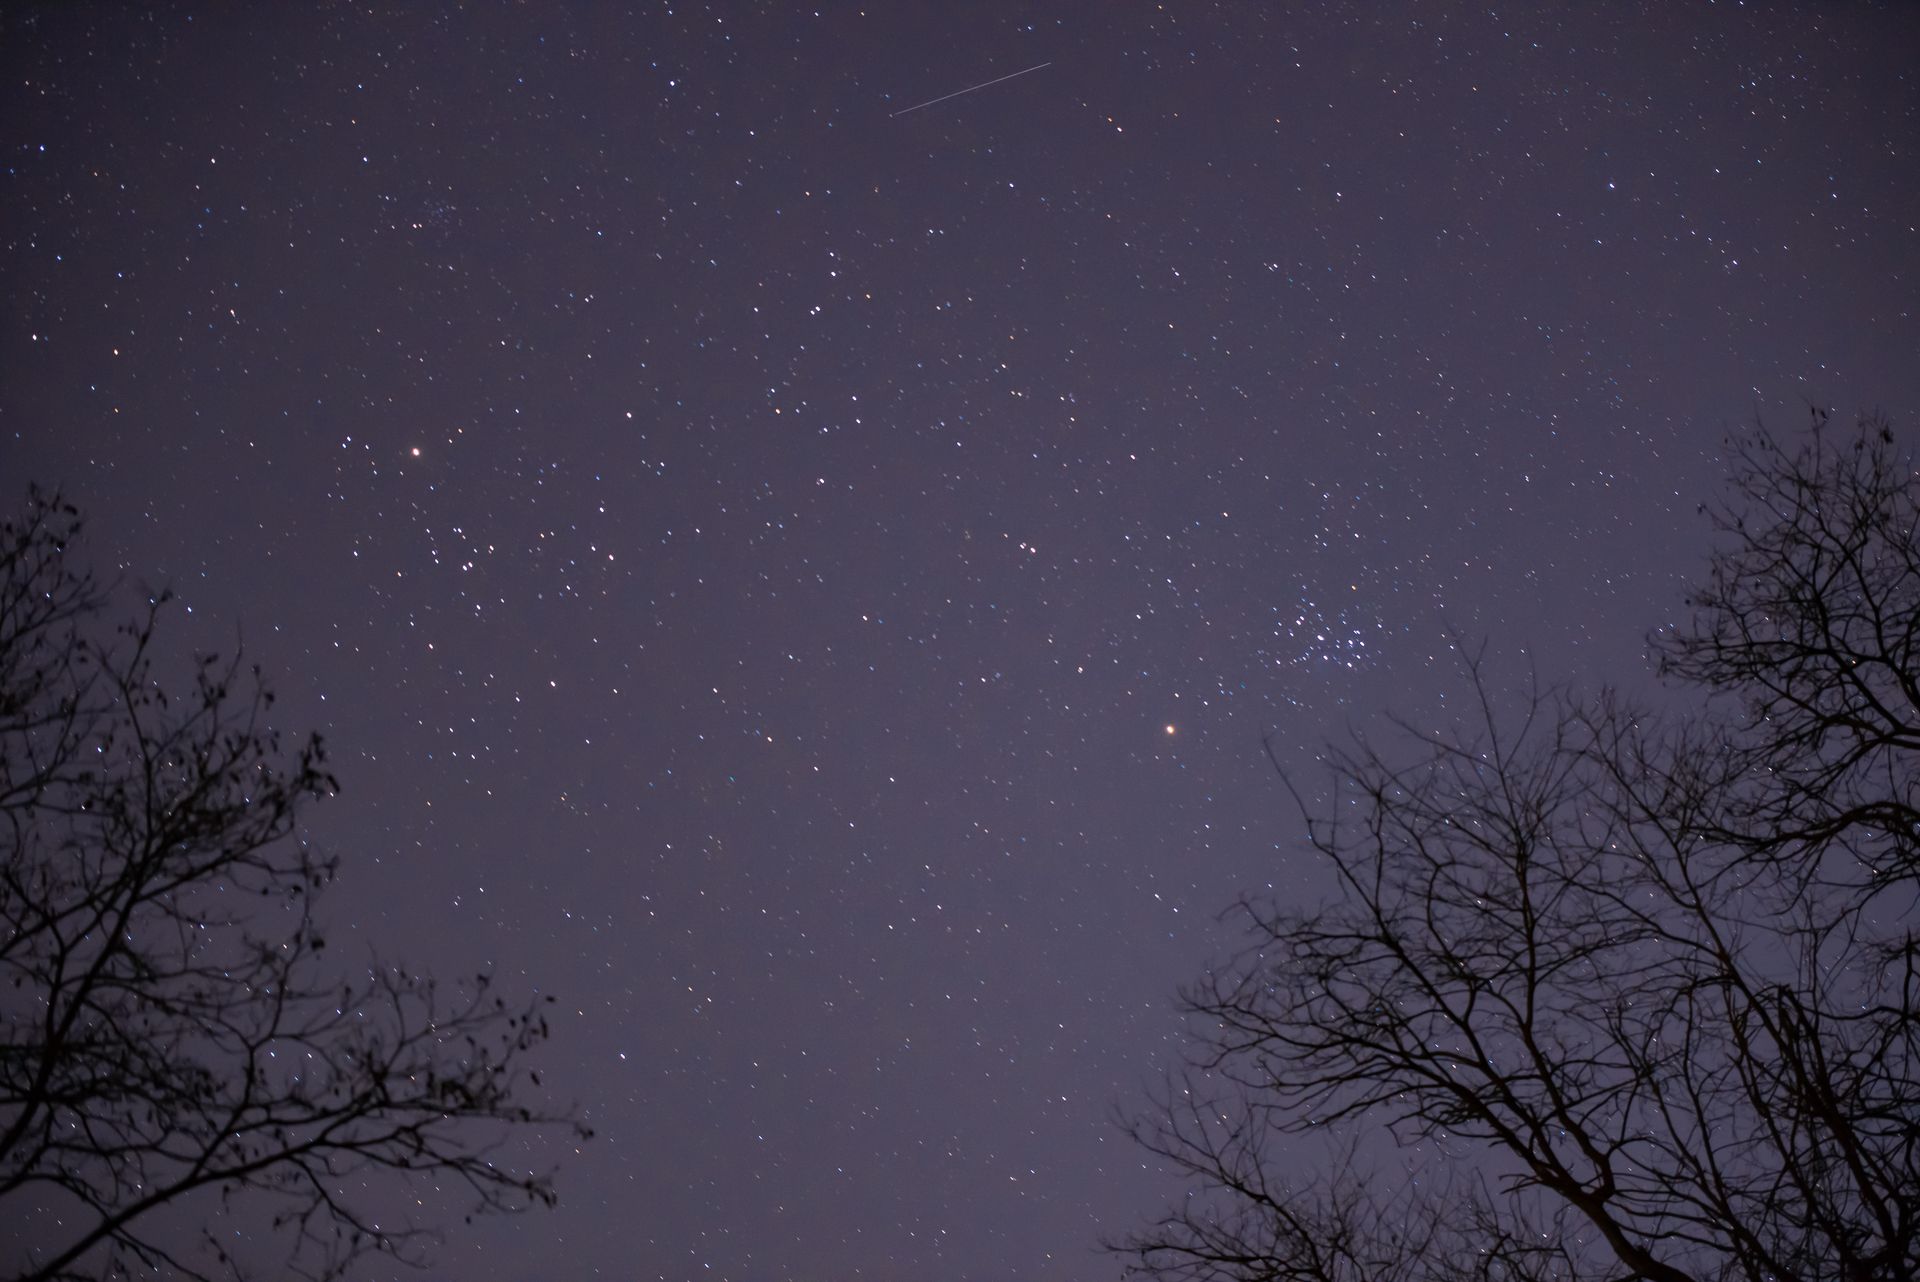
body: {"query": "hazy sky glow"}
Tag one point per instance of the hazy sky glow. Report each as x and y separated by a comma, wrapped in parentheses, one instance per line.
(807, 584)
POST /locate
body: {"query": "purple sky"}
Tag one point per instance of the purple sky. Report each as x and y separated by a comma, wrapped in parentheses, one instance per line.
(807, 585)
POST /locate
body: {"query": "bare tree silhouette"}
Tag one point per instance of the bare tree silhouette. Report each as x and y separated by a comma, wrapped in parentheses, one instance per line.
(1602, 994)
(171, 1036)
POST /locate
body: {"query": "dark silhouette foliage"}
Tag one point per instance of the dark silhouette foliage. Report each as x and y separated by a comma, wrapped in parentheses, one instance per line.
(1603, 994)
(172, 1037)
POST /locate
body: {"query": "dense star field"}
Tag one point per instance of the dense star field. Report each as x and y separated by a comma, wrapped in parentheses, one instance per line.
(806, 581)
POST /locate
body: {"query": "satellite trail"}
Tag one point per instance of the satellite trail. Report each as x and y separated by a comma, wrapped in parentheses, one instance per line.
(969, 89)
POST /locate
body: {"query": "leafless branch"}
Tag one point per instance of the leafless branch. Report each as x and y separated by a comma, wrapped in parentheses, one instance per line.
(170, 1024)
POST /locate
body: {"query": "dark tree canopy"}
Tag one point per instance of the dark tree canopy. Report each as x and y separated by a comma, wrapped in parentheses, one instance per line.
(172, 1035)
(1604, 993)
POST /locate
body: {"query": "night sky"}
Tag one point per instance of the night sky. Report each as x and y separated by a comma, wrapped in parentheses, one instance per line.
(807, 584)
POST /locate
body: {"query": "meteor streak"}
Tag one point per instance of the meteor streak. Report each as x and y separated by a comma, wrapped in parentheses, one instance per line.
(969, 89)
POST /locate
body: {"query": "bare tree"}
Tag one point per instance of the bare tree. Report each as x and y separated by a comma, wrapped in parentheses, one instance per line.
(171, 1039)
(1602, 995)
(1810, 625)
